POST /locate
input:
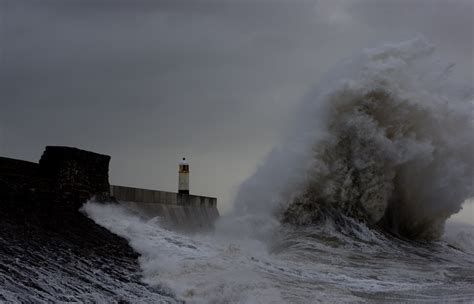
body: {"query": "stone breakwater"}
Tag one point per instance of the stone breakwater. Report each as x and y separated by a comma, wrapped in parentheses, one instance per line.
(65, 178)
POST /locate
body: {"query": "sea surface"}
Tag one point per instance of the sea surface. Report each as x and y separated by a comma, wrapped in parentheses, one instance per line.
(317, 264)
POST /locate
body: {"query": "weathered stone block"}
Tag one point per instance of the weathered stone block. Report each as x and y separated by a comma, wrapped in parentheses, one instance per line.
(64, 179)
(77, 174)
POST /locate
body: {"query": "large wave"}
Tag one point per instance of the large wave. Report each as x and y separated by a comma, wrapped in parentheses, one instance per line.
(386, 139)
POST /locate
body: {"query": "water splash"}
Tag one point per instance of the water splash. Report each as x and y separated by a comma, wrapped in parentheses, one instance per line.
(386, 139)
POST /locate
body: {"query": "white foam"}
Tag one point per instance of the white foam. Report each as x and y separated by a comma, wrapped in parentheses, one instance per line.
(223, 268)
(196, 270)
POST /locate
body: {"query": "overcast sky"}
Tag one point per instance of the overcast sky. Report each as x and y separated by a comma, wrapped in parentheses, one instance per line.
(216, 81)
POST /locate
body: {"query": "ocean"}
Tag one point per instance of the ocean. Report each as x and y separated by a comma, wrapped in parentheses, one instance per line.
(316, 264)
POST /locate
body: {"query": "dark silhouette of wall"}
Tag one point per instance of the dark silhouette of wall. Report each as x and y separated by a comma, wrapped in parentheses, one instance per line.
(62, 181)
(76, 175)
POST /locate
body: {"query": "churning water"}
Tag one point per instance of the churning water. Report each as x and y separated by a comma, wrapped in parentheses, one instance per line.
(296, 265)
(351, 207)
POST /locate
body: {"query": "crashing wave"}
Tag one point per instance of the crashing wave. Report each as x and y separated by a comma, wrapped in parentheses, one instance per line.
(392, 147)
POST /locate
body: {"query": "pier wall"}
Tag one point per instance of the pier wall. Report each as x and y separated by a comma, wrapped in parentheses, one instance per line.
(176, 210)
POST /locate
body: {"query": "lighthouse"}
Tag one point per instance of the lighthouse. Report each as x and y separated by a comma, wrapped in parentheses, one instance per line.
(183, 183)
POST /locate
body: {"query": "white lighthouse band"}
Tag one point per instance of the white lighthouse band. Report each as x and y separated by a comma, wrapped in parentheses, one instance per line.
(183, 183)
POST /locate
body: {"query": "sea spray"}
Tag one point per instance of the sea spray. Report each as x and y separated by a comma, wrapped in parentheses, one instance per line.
(386, 139)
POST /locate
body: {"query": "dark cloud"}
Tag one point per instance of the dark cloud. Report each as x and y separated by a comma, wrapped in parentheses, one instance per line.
(149, 81)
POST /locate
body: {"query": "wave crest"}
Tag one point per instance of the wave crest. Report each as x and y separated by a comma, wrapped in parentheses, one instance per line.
(395, 150)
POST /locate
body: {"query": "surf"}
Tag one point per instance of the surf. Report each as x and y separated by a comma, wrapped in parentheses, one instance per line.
(385, 139)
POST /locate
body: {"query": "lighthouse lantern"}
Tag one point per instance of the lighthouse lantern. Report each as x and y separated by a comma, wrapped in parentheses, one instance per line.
(183, 184)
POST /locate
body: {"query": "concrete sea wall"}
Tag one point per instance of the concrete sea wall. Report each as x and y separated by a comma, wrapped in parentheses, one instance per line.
(177, 211)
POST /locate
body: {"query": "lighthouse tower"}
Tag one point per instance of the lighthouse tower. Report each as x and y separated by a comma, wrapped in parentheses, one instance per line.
(183, 183)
